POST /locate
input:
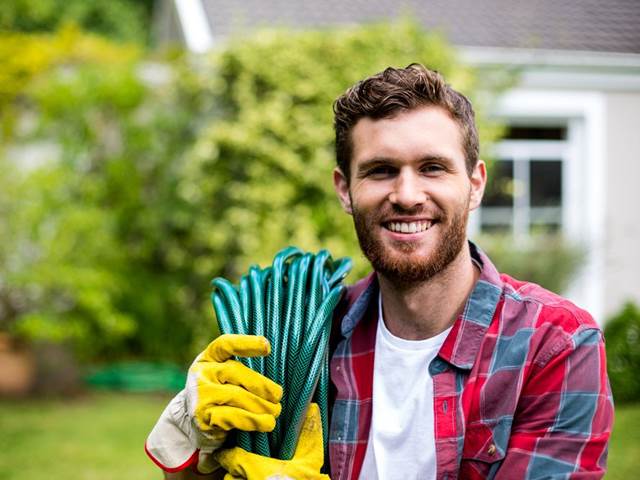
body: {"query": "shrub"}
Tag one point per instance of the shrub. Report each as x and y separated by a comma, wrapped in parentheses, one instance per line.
(87, 228)
(622, 334)
(120, 19)
(545, 259)
(156, 187)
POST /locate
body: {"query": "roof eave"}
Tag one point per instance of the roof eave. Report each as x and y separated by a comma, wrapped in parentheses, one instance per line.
(574, 59)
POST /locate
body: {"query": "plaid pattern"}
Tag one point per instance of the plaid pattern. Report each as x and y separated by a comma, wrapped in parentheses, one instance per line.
(520, 385)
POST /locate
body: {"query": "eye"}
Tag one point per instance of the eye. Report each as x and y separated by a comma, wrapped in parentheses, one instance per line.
(381, 171)
(432, 168)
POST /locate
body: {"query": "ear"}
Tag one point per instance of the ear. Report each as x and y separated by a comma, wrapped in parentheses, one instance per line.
(478, 182)
(341, 185)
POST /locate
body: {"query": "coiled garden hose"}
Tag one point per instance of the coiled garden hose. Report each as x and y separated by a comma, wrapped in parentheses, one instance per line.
(291, 303)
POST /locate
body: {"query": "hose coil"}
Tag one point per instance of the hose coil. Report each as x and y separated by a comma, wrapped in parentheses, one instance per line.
(291, 303)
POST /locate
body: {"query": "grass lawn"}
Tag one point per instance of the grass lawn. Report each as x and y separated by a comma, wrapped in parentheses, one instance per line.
(101, 436)
(624, 449)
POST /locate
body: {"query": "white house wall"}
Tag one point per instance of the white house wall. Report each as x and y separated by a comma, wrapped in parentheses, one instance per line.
(622, 218)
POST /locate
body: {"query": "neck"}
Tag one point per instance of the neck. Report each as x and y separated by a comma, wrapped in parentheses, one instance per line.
(424, 310)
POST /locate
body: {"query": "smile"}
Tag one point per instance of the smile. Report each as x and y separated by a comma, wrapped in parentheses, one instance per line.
(409, 227)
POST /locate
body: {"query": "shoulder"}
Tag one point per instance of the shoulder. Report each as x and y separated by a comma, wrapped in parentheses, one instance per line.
(527, 304)
(550, 307)
(552, 322)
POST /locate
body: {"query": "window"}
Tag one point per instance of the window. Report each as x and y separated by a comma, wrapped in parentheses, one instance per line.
(525, 192)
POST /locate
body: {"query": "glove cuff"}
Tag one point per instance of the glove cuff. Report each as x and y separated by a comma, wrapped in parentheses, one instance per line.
(156, 459)
(172, 444)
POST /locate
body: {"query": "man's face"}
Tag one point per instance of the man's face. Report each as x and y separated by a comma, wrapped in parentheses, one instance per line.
(409, 192)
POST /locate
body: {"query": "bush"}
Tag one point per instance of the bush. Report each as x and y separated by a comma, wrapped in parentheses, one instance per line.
(120, 19)
(26, 58)
(156, 187)
(622, 334)
(86, 229)
(545, 259)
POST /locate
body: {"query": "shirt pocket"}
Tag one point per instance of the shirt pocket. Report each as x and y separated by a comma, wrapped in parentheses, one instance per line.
(482, 454)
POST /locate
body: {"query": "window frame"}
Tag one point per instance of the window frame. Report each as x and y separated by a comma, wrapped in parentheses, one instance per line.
(522, 153)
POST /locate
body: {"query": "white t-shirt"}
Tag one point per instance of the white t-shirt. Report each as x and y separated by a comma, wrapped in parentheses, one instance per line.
(401, 440)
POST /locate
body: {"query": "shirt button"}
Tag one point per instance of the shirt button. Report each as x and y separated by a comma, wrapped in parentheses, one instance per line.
(492, 449)
(338, 368)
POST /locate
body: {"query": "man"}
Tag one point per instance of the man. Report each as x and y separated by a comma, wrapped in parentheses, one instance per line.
(441, 367)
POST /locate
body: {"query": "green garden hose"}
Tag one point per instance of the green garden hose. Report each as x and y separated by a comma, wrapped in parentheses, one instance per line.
(291, 303)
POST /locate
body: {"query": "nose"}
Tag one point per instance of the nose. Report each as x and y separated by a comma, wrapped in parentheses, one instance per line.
(408, 191)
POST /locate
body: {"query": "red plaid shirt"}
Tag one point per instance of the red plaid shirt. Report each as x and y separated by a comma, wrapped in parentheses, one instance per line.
(520, 385)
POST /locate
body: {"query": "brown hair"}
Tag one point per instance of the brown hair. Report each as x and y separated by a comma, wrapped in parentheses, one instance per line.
(395, 90)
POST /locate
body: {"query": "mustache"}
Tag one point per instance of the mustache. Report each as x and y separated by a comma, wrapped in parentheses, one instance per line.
(418, 211)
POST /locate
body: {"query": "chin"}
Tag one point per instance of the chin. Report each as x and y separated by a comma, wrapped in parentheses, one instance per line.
(407, 263)
(412, 258)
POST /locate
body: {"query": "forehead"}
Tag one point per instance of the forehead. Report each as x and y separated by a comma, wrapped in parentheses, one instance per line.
(409, 135)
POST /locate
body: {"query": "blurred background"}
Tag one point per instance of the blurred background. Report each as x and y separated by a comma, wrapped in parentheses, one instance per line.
(149, 146)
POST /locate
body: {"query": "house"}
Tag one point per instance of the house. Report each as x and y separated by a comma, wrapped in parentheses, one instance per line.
(573, 151)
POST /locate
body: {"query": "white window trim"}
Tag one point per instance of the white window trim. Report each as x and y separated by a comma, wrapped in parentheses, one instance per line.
(584, 187)
(522, 152)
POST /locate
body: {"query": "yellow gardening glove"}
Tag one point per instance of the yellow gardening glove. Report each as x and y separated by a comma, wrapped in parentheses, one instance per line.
(305, 464)
(224, 394)
(220, 394)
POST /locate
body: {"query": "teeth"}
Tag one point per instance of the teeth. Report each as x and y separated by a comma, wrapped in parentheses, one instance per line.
(409, 227)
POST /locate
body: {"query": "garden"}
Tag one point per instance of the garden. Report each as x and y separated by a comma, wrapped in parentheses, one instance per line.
(131, 175)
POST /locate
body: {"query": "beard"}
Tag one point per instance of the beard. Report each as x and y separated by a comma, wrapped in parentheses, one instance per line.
(403, 263)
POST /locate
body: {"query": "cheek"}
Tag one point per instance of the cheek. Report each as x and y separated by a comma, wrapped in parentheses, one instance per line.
(368, 195)
(449, 193)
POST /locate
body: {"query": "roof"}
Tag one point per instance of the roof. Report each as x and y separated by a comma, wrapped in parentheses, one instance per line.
(583, 25)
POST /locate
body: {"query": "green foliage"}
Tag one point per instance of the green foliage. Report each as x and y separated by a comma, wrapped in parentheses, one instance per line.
(60, 260)
(622, 334)
(26, 58)
(88, 234)
(120, 19)
(154, 188)
(545, 259)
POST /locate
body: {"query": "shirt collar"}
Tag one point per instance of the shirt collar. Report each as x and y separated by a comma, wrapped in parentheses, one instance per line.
(359, 307)
(462, 343)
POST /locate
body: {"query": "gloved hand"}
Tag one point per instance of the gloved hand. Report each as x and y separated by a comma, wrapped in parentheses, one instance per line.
(220, 394)
(305, 464)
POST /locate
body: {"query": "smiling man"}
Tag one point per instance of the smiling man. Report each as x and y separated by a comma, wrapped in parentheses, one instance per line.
(441, 367)
(409, 189)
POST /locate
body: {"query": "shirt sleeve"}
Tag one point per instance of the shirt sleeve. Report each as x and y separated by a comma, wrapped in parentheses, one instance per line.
(564, 417)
